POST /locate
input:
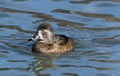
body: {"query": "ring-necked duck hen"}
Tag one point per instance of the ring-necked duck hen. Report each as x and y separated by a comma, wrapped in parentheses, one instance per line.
(49, 42)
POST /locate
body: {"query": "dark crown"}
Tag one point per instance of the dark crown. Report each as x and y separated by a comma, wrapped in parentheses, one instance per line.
(45, 26)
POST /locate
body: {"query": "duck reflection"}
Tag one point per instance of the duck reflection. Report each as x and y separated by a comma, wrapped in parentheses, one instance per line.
(41, 63)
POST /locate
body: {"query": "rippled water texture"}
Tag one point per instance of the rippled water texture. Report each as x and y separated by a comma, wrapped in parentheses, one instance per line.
(93, 24)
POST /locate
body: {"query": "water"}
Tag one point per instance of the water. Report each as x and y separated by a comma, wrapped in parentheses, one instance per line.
(93, 24)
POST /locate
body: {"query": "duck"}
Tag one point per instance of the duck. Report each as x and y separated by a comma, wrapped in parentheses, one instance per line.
(50, 43)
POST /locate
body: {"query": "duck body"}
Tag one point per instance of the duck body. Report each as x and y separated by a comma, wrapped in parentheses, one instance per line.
(50, 43)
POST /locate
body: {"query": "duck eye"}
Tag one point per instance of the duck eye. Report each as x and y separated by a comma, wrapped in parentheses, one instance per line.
(43, 30)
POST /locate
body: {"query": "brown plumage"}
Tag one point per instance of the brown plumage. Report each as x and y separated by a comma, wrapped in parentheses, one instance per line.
(50, 43)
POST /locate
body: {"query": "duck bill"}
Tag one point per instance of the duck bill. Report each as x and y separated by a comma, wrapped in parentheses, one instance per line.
(35, 37)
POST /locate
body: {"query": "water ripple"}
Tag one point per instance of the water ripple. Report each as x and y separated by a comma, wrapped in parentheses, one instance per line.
(15, 28)
(41, 15)
(107, 17)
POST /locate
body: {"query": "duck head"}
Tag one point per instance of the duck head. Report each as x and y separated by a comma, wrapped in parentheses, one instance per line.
(44, 33)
